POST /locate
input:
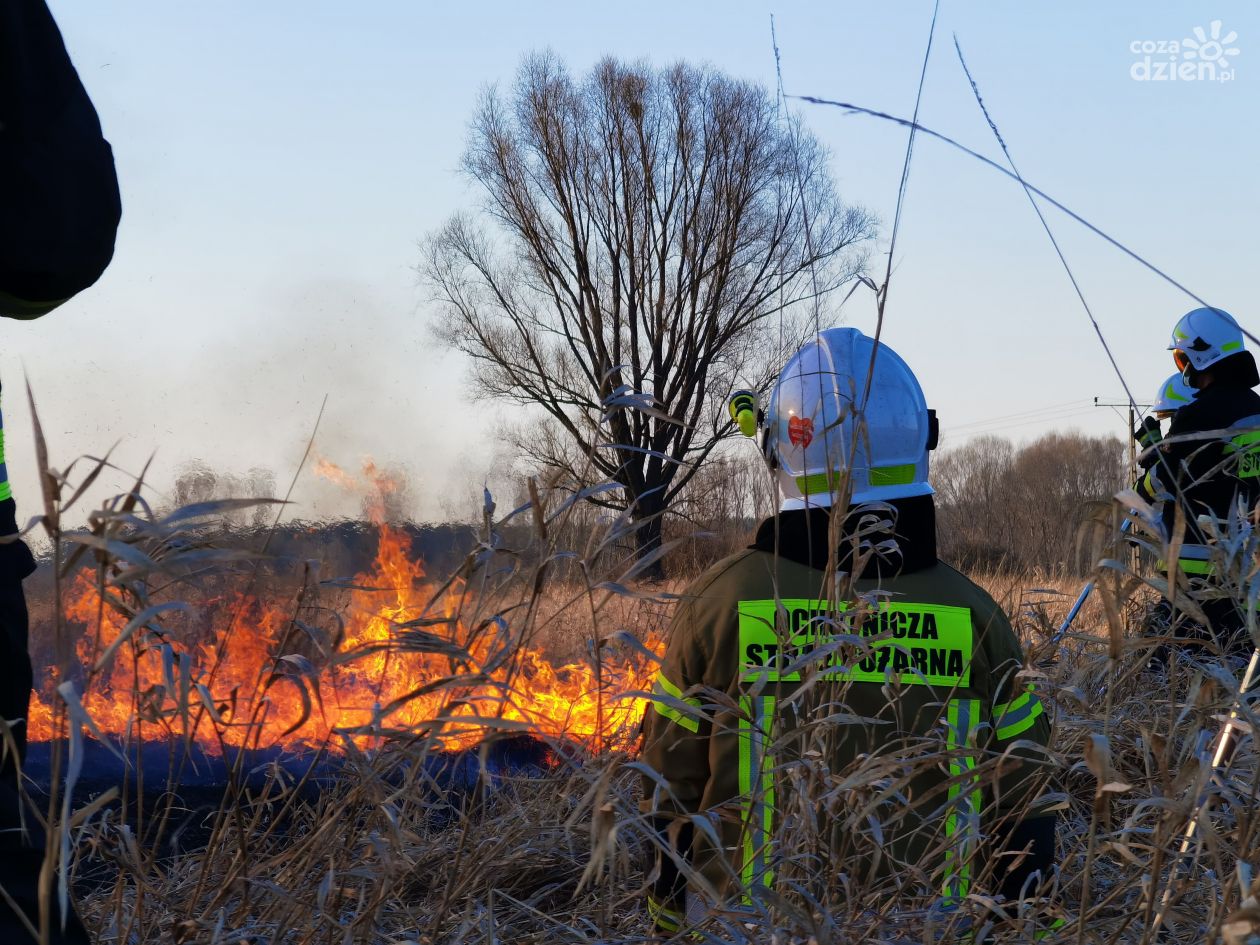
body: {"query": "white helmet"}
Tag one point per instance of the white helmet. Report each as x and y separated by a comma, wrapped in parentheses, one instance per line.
(1203, 337)
(814, 432)
(1172, 395)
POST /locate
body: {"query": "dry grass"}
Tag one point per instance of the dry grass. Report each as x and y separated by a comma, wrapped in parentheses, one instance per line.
(386, 853)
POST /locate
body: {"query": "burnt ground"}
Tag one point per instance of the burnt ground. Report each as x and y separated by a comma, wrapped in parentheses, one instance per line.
(196, 785)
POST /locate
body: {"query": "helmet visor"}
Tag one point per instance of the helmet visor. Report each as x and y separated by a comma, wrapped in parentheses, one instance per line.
(1180, 359)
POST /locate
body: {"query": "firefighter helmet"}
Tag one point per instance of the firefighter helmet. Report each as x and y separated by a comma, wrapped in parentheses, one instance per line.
(827, 436)
(1172, 395)
(1203, 337)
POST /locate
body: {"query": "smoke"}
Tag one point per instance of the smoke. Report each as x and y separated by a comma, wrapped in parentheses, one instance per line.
(230, 380)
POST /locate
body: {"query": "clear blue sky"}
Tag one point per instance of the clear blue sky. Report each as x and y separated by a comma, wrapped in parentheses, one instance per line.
(279, 162)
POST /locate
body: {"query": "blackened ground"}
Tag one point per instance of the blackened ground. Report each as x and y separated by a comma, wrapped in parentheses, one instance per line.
(196, 785)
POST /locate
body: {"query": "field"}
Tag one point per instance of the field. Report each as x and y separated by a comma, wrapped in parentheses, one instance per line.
(492, 793)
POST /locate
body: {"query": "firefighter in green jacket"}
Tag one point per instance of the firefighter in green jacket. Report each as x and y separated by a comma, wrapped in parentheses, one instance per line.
(858, 617)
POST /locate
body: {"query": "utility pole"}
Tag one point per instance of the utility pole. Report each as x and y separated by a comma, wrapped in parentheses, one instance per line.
(1128, 435)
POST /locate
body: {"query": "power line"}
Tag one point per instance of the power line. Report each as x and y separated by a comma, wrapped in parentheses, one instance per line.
(1034, 421)
(1031, 412)
(1028, 421)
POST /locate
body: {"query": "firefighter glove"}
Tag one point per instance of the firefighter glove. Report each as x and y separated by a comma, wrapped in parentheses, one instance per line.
(1148, 433)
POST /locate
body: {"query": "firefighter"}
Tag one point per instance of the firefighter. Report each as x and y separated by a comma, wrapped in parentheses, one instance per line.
(1173, 394)
(938, 659)
(1209, 463)
(60, 209)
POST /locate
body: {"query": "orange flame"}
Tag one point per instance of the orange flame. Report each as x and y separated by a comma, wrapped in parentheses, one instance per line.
(402, 666)
(327, 469)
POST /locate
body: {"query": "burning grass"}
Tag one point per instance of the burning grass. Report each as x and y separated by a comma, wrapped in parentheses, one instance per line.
(358, 660)
(437, 823)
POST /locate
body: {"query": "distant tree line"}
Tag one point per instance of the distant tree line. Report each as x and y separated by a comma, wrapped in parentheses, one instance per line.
(1044, 505)
(1041, 506)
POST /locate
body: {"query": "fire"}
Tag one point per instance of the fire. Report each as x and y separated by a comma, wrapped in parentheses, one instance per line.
(327, 469)
(255, 677)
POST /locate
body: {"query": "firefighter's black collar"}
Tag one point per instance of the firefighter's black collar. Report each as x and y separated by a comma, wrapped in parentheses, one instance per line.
(803, 537)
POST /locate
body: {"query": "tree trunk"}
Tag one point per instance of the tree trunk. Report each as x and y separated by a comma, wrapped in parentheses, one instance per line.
(649, 516)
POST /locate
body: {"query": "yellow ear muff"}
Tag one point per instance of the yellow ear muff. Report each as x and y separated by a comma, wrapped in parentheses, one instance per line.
(743, 409)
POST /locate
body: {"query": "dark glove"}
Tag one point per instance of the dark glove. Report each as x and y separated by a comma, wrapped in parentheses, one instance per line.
(1148, 433)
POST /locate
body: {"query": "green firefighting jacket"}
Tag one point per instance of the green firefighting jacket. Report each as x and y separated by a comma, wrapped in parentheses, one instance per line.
(920, 663)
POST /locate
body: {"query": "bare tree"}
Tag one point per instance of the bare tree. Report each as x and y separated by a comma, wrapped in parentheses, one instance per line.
(652, 232)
